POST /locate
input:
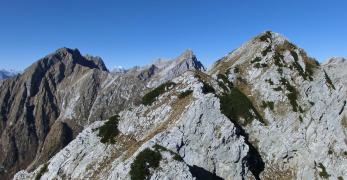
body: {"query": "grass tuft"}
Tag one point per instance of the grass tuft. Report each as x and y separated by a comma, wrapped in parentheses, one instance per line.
(236, 105)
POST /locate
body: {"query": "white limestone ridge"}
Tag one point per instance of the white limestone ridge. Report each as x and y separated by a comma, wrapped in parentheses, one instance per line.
(296, 128)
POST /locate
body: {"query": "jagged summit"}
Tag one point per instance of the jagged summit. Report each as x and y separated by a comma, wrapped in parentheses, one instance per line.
(69, 58)
(165, 70)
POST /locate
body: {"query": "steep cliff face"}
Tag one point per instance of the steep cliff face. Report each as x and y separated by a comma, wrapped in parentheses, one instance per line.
(44, 108)
(264, 111)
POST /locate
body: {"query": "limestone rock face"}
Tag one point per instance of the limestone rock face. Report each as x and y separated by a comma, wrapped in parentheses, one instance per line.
(193, 128)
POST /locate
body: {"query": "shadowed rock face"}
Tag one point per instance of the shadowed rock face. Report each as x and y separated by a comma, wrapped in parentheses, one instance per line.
(44, 108)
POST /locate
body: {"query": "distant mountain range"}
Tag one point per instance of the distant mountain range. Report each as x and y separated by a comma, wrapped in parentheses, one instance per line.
(4, 74)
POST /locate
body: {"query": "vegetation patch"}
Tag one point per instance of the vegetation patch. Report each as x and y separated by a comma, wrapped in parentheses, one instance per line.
(236, 105)
(300, 119)
(269, 104)
(292, 95)
(109, 130)
(279, 88)
(310, 63)
(265, 37)
(185, 94)
(255, 60)
(42, 171)
(278, 60)
(237, 69)
(224, 82)
(328, 81)
(144, 161)
(269, 81)
(151, 96)
(257, 65)
(280, 70)
(307, 74)
(323, 173)
(206, 88)
(267, 50)
(175, 157)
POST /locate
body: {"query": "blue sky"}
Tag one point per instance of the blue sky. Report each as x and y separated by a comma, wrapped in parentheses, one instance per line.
(134, 32)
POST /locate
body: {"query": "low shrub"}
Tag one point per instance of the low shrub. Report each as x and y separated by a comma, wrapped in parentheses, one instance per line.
(292, 95)
(269, 81)
(269, 104)
(323, 173)
(307, 74)
(278, 60)
(267, 50)
(279, 88)
(224, 82)
(206, 88)
(175, 157)
(42, 171)
(109, 130)
(257, 65)
(140, 168)
(151, 96)
(185, 94)
(236, 105)
(280, 70)
(265, 37)
(236, 69)
(255, 60)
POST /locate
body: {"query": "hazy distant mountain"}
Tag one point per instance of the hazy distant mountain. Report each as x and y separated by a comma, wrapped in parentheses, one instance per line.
(4, 74)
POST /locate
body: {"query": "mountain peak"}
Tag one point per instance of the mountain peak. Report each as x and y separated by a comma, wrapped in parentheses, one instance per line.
(335, 60)
(186, 55)
(70, 57)
(67, 50)
(271, 37)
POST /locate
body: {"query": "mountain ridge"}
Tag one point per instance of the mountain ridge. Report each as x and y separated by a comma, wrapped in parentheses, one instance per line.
(264, 111)
(52, 101)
